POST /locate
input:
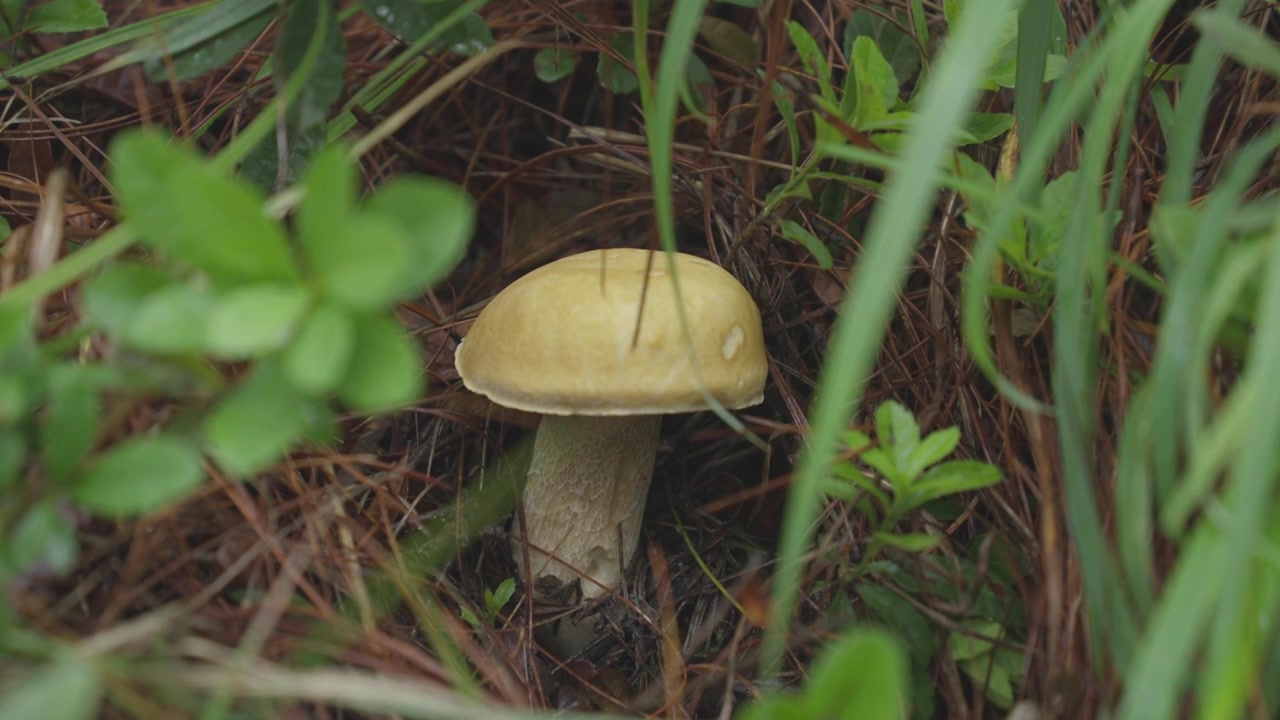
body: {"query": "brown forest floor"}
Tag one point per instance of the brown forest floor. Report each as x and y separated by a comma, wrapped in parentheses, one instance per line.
(317, 525)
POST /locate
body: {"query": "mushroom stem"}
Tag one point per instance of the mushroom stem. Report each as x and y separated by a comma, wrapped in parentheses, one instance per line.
(585, 496)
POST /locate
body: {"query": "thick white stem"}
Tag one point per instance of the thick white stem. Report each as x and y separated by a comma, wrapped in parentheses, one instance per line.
(585, 496)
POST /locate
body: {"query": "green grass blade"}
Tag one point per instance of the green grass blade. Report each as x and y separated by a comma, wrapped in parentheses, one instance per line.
(892, 234)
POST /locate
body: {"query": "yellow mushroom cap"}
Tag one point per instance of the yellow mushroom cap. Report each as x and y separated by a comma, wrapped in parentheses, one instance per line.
(562, 340)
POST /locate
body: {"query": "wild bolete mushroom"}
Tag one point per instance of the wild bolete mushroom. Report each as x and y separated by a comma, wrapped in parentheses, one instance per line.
(563, 341)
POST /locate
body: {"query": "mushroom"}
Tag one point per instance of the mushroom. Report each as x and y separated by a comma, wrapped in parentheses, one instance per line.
(563, 341)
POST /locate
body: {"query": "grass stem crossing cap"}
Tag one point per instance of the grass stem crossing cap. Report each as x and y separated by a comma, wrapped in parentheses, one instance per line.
(594, 343)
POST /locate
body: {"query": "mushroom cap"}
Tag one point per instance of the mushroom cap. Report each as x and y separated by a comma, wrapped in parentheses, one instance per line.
(562, 339)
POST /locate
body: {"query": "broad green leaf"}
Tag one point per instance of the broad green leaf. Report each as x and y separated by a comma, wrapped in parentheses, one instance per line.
(173, 319)
(954, 477)
(979, 638)
(259, 421)
(61, 16)
(43, 540)
(982, 127)
(613, 75)
(798, 233)
(65, 689)
(69, 425)
(183, 206)
(209, 54)
(730, 40)
(255, 320)
(386, 370)
(317, 359)
(410, 20)
(898, 433)
(139, 475)
(331, 187)
(365, 263)
(113, 298)
(872, 89)
(898, 48)
(935, 447)
(554, 63)
(438, 219)
(908, 542)
(863, 676)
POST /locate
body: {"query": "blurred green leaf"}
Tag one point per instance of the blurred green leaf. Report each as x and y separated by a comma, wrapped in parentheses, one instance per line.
(437, 218)
(183, 206)
(43, 541)
(208, 54)
(386, 371)
(554, 63)
(613, 75)
(908, 542)
(898, 433)
(65, 689)
(318, 358)
(1242, 42)
(112, 298)
(365, 264)
(173, 319)
(58, 16)
(815, 61)
(69, 426)
(331, 187)
(798, 233)
(862, 676)
(983, 127)
(259, 420)
(412, 19)
(13, 451)
(254, 320)
(139, 475)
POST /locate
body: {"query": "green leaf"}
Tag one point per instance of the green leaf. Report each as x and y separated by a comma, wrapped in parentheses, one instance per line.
(978, 639)
(798, 233)
(386, 371)
(331, 187)
(908, 542)
(65, 689)
(615, 76)
(1239, 40)
(898, 48)
(437, 218)
(469, 616)
(255, 320)
(498, 598)
(183, 206)
(954, 477)
(13, 453)
(815, 61)
(43, 540)
(72, 413)
(898, 433)
(318, 358)
(410, 20)
(113, 298)
(209, 54)
(259, 420)
(862, 676)
(64, 16)
(554, 63)
(305, 122)
(173, 319)
(933, 449)
(139, 475)
(365, 264)
(872, 88)
(983, 127)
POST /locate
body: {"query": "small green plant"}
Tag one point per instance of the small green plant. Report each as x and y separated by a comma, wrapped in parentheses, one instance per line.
(494, 600)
